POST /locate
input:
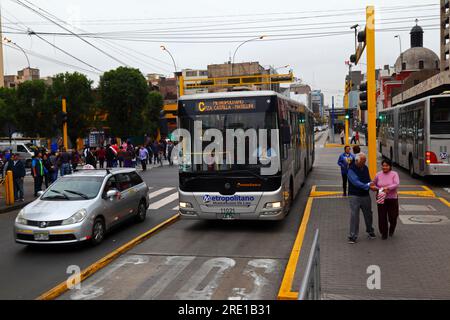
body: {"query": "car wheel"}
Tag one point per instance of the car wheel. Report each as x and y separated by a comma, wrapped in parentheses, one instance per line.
(98, 231)
(142, 212)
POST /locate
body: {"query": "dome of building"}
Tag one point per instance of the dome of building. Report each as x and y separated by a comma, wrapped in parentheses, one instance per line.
(417, 57)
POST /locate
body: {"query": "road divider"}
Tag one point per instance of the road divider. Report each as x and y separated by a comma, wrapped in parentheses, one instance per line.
(100, 264)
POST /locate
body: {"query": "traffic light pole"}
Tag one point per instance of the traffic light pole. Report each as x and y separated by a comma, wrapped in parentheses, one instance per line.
(64, 110)
(371, 91)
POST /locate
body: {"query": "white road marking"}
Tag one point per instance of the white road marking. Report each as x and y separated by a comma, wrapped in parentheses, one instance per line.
(159, 192)
(176, 267)
(191, 290)
(259, 281)
(176, 208)
(92, 291)
(163, 202)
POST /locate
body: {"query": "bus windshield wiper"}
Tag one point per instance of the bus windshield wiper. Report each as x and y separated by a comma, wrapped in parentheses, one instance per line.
(77, 193)
(246, 171)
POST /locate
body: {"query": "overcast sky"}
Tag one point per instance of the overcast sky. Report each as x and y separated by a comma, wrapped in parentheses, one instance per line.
(319, 62)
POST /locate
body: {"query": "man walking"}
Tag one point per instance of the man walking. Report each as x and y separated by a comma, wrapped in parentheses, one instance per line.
(344, 161)
(143, 156)
(169, 152)
(358, 189)
(64, 161)
(18, 171)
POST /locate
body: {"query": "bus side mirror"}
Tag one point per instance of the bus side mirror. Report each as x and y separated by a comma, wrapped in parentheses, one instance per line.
(286, 135)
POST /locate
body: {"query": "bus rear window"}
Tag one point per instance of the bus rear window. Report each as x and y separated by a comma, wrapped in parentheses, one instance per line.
(440, 116)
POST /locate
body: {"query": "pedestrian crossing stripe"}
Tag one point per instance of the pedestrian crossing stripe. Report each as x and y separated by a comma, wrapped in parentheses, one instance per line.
(159, 192)
(163, 202)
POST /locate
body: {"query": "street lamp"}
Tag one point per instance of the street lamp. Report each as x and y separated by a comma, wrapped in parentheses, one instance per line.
(15, 44)
(246, 41)
(356, 34)
(163, 48)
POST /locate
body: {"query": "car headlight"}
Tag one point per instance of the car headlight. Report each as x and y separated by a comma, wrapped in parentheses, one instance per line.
(20, 219)
(76, 218)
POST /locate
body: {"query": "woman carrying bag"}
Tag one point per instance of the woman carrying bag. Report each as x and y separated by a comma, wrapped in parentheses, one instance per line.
(386, 183)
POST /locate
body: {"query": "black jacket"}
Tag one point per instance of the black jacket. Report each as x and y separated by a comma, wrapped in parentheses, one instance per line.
(18, 170)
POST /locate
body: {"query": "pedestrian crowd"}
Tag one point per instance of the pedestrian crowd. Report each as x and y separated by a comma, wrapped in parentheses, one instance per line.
(47, 166)
(355, 174)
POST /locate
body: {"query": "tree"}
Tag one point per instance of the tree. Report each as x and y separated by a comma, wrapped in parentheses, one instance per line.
(8, 108)
(151, 113)
(124, 96)
(34, 113)
(77, 89)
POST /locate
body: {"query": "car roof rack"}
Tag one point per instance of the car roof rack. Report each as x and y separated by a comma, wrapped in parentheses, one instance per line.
(108, 171)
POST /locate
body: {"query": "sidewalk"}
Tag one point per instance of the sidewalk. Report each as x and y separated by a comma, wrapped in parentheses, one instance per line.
(28, 186)
(414, 264)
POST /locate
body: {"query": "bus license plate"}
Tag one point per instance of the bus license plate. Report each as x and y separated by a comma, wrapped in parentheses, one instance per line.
(41, 236)
(228, 214)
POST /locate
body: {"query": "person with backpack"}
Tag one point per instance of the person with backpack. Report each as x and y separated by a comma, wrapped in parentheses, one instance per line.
(38, 172)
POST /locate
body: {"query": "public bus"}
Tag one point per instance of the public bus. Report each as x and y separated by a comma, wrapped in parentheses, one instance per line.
(416, 135)
(239, 191)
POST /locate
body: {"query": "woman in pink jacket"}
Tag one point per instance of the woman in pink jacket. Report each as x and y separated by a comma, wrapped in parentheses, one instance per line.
(386, 182)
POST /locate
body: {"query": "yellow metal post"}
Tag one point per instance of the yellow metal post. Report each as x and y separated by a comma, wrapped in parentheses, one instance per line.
(346, 103)
(181, 84)
(371, 90)
(64, 109)
(9, 188)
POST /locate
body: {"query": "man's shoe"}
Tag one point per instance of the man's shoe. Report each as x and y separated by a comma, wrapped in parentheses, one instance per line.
(351, 240)
(372, 236)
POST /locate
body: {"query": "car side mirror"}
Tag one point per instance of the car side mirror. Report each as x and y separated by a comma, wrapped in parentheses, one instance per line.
(112, 194)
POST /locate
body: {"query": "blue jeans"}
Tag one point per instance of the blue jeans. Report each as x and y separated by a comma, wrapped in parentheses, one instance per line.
(65, 169)
(54, 175)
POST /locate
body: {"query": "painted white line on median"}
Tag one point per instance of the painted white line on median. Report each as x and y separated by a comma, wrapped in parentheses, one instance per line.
(163, 202)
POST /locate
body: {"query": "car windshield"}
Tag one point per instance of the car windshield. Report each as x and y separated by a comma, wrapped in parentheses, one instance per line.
(74, 188)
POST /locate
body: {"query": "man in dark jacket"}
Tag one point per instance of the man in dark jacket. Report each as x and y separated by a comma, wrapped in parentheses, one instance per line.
(359, 192)
(18, 170)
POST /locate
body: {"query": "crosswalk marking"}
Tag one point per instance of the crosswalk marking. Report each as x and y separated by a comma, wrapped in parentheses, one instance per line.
(159, 192)
(163, 202)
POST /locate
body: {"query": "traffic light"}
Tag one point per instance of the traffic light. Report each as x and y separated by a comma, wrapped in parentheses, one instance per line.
(363, 96)
(354, 58)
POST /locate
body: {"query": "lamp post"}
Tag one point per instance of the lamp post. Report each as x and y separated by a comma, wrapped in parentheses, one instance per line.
(163, 48)
(15, 44)
(240, 45)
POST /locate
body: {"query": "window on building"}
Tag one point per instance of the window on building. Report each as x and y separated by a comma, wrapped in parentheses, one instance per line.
(404, 66)
(421, 65)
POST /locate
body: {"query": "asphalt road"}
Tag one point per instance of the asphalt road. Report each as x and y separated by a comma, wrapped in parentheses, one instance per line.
(27, 272)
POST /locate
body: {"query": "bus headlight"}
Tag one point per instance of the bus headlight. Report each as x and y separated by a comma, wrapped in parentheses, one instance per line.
(273, 205)
(185, 205)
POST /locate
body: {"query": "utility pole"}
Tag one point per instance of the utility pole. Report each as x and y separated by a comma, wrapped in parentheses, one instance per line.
(64, 110)
(332, 118)
(371, 90)
(2, 69)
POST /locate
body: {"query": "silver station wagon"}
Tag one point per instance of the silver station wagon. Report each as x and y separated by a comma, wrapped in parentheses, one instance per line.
(83, 207)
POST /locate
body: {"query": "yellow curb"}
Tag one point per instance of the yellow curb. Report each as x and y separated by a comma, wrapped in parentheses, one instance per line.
(444, 201)
(96, 266)
(285, 292)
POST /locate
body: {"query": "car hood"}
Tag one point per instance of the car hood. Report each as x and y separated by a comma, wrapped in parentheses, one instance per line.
(40, 210)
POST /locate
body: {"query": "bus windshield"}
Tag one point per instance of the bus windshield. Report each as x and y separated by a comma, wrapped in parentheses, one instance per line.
(261, 117)
(440, 116)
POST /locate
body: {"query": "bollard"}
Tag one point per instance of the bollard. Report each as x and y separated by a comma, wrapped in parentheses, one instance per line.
(9, 188)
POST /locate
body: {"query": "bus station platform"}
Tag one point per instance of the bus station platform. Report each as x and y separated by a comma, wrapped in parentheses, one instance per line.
(413, 264)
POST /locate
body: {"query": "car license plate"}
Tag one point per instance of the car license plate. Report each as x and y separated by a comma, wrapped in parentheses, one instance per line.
(227, 214)
(41, 236)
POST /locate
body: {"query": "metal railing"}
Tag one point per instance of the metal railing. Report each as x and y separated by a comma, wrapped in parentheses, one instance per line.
(310, 288)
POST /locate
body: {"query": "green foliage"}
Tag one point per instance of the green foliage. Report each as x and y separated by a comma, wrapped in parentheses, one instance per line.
(77, 89)
(151, 113)
(8, 106)
(124, 96)
(34, 111)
